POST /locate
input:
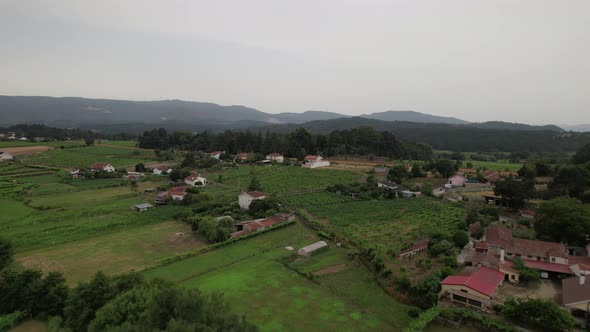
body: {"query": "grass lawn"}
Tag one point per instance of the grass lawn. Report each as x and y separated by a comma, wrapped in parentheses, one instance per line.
(128, 144)
(124, 251)
(276, 298)
(500, 165)
(83, 157)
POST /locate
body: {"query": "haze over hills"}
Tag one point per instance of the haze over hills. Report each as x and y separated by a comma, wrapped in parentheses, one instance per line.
(74, 112)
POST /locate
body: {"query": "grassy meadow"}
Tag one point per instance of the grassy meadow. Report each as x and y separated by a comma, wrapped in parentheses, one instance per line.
(83, 157)
(276, 297)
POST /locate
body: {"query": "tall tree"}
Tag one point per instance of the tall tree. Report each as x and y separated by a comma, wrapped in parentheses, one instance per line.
(563, 220)
(515, 191)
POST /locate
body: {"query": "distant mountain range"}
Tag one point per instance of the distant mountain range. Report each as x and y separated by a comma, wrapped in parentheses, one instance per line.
(107, 114)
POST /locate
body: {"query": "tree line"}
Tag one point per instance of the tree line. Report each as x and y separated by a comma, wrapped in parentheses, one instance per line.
(122, 303)
(362, 141)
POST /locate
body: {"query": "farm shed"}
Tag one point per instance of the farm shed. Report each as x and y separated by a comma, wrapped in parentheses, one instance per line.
(142, 207)
(311, 248)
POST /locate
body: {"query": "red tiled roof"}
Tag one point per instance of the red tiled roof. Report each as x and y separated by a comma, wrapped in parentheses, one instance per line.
(163, 168)
(274, 154)
(256, 194)
(538, 248)
(575, 290)
(98, 166)
(546, 266)
(480, 245)
(178, 190)
(242, 155)
(310, 157)
(489, 173)
(582, 261)
(422, 243)
(216, 152)
(499, 236)
(483, 280)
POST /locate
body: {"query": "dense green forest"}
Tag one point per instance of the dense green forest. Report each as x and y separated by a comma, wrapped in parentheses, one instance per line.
(489, 137)
(358, 141)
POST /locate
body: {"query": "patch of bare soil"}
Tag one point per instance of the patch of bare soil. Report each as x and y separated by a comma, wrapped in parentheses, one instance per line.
(331, 269)
(26, 150)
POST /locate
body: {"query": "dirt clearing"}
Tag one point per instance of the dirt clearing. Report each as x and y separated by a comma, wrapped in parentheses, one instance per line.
(331, 269)
(26, 150)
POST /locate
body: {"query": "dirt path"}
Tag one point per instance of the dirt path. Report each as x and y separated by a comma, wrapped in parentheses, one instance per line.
(331, 269)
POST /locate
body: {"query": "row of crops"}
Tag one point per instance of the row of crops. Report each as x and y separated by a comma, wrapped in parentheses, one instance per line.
(289, 179)
(321, 198)
(391, 223)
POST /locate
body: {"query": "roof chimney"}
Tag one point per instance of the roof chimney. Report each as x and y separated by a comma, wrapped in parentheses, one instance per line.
(582, 280)
(501, 255)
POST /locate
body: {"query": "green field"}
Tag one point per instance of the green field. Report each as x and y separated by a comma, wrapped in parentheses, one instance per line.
(128, 144)
(288, 179)
(126, 250)
(83, 157)
(276, 298)
(500, 165)
(54, 213)
(56, 144)
(390, 223)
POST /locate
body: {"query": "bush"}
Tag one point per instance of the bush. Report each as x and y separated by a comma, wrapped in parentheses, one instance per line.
(460, 238)
(542, 313)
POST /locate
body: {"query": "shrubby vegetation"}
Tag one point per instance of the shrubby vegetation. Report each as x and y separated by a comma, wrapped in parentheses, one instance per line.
(540, 313)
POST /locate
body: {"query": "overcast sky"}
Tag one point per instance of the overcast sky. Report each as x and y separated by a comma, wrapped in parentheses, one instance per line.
(519, 60)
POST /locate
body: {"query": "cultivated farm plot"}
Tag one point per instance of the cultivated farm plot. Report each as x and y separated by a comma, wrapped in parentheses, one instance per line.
(71, 216)
(320, 198)
(124, 251)
(83, 157)
(56, 144)
(391, 223)
(276, 298)
(289, 179)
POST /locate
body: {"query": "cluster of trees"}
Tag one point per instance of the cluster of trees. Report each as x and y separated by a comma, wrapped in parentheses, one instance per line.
(212, 229)
(359, 141)
(564, 220)
(444, 167)
(123, 303)
(61, 134)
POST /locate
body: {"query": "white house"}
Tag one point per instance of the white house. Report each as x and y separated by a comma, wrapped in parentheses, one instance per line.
(245, 198)
(216, 154)
(195, 181)
(97, 167)
(76, 172)
(315, 161)
(162, 170)
(5, 156)
(276, 157)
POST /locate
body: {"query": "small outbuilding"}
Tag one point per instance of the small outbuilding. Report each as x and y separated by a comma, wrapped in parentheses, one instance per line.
(142, 207)
(312, 248)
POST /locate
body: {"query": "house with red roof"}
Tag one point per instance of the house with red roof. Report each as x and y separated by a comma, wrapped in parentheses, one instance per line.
(491, 177)
(195, 180)
(243, 156)
(176, 193)
(275, 157)
(246, 227)
(102, 167)
(548, 257)
(313, 161)
(416, 247)
(162, 170)
(246, 198)
(474, 289)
